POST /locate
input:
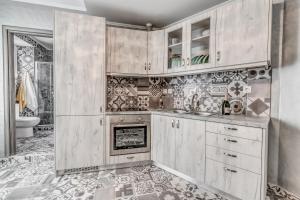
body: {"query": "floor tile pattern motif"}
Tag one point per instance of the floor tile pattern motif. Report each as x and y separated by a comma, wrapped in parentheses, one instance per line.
(41, 142)
(32, 177)
(130, 94)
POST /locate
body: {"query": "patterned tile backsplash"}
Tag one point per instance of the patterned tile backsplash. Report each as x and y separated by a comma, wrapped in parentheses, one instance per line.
(130, 94)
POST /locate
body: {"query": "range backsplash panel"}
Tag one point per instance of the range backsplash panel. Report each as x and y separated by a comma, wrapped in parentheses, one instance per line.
(137, 94)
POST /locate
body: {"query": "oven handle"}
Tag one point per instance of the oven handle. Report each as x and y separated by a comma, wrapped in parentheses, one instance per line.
(128, 125)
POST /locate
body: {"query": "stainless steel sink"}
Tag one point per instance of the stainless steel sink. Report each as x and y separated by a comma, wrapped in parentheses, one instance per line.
(204, 114)
(181, 111)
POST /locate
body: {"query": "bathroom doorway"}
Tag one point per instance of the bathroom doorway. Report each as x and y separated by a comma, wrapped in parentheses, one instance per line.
(29, 89)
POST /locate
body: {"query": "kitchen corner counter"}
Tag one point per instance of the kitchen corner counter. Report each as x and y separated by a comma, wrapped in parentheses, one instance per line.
(242, 120)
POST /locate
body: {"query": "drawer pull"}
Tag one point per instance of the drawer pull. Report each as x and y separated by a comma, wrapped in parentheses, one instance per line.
(130, 157)
(230, 129)
(230, 155)
(230, 140)
(230, 170)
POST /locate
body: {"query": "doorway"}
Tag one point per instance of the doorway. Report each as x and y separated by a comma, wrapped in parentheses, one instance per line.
(29, 111)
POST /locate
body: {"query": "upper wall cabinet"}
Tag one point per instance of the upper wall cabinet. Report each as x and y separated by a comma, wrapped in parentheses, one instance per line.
(190, 45)
(175, 44)
(156, 52)
(201, 41)
(243, 33)
(127, 51)
(79, 64)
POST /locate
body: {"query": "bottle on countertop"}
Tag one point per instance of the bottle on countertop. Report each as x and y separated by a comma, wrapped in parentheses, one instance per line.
(226, 105)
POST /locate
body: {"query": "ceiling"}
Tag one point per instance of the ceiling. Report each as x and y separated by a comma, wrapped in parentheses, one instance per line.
(139, 12)
(66, 4)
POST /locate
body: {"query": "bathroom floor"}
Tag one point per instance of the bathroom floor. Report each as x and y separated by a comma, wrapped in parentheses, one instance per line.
(41, 142)
(33, 177)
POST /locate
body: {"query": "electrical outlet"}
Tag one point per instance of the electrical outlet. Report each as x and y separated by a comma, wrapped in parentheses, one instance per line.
(247, 89)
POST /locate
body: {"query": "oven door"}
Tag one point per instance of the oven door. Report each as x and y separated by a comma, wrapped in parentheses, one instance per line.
(129, 138)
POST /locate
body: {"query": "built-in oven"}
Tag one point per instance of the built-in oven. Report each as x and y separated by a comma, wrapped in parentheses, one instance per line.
(129, 134)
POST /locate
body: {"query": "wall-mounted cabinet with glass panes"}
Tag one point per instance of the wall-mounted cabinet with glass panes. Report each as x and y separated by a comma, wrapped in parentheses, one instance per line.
(191, 45)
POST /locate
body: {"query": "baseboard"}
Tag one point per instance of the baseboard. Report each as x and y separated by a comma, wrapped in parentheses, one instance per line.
(101, 168)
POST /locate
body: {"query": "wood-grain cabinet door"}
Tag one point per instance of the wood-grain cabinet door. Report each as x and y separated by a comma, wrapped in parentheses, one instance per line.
(242, 33)
(79, 142)
(190, 148)
(163, 140)
(156, 52)
(127, 51)
(79, 64)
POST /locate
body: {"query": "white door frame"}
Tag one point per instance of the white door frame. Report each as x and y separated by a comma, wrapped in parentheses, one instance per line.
(9, 82)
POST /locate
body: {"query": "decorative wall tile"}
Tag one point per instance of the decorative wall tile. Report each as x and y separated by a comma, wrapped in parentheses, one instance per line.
(236, 89)
(143, 102)
(210, 88)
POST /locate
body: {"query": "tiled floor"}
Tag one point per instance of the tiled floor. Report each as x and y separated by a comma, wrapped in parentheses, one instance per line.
(42, 142)
(31, 176)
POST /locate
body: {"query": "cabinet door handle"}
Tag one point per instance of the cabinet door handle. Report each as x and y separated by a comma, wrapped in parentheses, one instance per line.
(218, 55)
(130, 157)
(230, 140)
(230, 155)
(177, 124)
(183, 62)
(101, 109)
(145, 66)
(149, 66)
(188, 62)
(230, 170)
(173, 123)
(101, 122)
(231, 128)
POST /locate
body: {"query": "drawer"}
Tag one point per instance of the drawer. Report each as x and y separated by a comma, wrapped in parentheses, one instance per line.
(128, 158)
(240, 145)
(234, 181)
(242, 161)
(234, 130)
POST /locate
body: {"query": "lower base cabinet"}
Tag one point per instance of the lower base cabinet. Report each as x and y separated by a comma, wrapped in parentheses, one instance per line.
(234, 181)
(79, 142)
(179, 144)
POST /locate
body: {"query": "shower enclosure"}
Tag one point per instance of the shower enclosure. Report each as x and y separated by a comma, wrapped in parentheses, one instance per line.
(43, 75)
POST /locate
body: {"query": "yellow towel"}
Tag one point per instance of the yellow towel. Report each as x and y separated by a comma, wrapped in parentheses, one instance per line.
(21, 96)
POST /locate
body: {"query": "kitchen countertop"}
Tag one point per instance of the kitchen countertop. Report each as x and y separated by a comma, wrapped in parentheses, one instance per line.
(257, 122)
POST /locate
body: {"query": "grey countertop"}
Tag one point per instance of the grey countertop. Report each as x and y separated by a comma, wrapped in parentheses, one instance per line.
(258, 122)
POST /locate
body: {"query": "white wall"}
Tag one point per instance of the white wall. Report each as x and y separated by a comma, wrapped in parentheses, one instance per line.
(289, 102)
(22, 15)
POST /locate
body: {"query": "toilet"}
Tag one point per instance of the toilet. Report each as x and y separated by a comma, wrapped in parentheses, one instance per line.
(24, 125)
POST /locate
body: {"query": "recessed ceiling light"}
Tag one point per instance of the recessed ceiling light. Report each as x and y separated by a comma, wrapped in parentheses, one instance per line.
(66, 4)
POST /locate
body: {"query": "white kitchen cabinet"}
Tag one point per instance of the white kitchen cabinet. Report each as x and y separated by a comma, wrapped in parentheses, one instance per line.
(190, 45)
(126, 51)
(235, 181)
(190, 148)
(243, 32)
(79, 142)
(201, 41)
(79, 64)
(163, 140)
(175, 48)
(156, 52)
(179, 144)
(236, 160)
(79, 90)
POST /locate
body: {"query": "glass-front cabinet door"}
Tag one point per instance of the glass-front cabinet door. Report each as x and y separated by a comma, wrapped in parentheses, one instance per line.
(175, 43)
(201, 41)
